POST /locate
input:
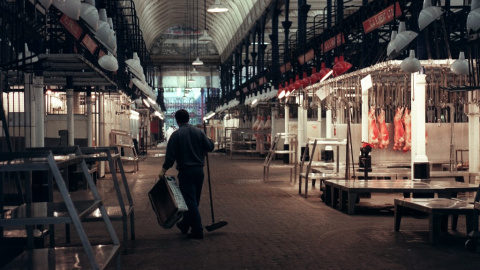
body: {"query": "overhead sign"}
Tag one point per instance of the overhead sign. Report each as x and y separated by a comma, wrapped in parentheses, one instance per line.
(90, 44)
(332, 43)
(306, 57)
(383, 17)
(72, 26)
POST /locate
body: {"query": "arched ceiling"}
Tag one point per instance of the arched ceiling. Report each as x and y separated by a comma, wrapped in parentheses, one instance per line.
(227, 29)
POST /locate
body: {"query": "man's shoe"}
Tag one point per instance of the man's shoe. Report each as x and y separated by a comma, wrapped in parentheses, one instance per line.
(194, 236)
(183, 228)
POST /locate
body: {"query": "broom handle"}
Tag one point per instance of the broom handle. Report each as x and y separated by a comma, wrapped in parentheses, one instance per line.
(208, 175)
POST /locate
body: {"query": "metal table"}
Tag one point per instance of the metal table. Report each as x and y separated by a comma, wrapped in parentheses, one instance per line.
(346, 191)
(438, 210)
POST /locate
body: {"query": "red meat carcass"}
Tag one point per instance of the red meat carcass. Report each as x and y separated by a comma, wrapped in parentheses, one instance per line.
(384, 137)
(399, 130)
(373, 133)
(407, 122)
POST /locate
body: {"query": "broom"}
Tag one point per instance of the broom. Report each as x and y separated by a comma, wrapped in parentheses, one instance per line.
(214, 225)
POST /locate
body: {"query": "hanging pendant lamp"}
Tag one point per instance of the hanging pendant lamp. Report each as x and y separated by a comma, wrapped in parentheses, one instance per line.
(340, 66)
(217, 7)
(428, 14)
(404, 37)
(89, 14)
(460, 66)
(391, 44)
(473, 18)
(71, 8)
(411, 64)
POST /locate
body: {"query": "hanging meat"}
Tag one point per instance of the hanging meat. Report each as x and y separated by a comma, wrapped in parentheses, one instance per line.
(268, 127)
(384, 138)
(373, 133)
(407, 122)
(399, 130)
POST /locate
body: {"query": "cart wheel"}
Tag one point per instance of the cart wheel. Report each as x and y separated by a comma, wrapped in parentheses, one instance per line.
(471, 245)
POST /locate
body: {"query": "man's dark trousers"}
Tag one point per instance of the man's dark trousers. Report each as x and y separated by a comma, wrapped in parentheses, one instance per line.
(191, 182)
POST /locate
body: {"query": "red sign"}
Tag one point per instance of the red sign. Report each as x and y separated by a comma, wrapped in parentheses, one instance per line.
(381, 18)
(72, 26)
(333, 43)
(90, 44)
(306, 57)
(285, 67)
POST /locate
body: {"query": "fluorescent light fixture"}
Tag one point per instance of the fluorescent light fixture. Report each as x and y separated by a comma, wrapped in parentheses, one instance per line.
(254, 101)
(205, 37)
(428, 14)
(197, 62)
(208, 116)
(90, 15)
(159, 115)
(108, 62)
(151, 100)
(217, 7)
(146, 102)
(460, 66)
(71, 8)
(411, 64)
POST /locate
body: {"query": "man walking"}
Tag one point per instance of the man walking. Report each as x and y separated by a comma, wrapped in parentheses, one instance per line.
(187, 147)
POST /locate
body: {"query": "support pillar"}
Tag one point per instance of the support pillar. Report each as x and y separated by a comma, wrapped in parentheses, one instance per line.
(473, 137)
(39, 111)
(70, 120)
(287, 129)
(419, 159)
(29, 105)
(89, 120)
(300, 132)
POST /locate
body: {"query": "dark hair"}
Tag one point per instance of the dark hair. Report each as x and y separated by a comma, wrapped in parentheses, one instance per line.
(182, 116)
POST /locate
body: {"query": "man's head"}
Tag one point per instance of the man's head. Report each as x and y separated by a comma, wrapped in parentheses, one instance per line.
(182, 116)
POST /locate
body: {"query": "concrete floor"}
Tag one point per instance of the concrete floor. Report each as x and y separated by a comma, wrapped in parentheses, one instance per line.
(270, 226)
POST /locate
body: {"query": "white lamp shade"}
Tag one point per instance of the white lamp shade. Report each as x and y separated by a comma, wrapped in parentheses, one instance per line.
(108, 62)
(194, 71)
(45, 3)
(135, 67)
(403, 38)
(197, 62)
(71, 8)
(217, 7)
(28, 54)
(475, 4)
(411, 64)
(205, 37)
(428, 14)
(391, 44)
(473, 20)
(90, 15)
(104, 33)
(460, 66)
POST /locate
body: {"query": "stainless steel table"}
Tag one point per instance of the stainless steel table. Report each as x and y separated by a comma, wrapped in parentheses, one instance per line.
(438, 210)
(346, 191)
